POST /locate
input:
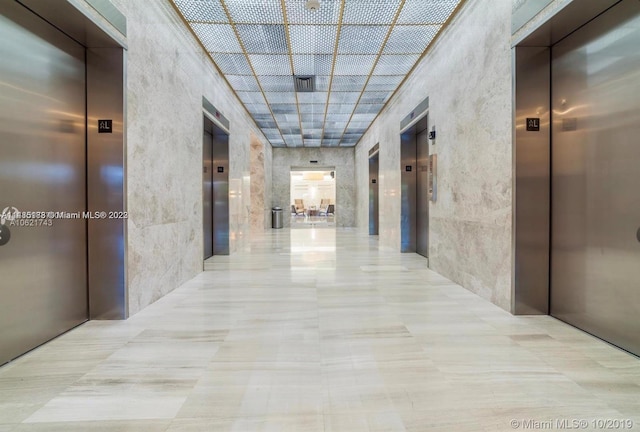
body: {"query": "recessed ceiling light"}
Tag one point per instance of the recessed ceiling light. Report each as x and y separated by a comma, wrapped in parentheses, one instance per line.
(312, 5)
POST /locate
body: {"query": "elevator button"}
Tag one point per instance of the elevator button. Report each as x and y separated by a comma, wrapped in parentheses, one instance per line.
(5, 235)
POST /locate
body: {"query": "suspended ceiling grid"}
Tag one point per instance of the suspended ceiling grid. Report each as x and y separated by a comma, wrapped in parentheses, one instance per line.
(359, 52)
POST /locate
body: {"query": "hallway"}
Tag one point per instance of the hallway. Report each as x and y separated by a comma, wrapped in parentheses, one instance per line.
(318, 330)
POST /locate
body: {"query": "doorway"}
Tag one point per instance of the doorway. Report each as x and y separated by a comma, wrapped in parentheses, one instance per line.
(215, 189)
(415, 188)
(313, 198)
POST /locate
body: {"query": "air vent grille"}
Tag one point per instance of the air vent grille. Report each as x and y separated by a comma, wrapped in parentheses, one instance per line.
(304, 83)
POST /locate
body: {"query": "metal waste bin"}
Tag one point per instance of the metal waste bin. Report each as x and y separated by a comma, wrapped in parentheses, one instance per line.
(276, 217)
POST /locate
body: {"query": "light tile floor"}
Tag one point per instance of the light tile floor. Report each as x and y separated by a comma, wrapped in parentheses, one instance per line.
(319, 330)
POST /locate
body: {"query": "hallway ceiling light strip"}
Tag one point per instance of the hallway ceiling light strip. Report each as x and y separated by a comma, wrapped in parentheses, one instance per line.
(373, 68)
(288, 36)
(244, 51)
(413, 68)
(333, 68)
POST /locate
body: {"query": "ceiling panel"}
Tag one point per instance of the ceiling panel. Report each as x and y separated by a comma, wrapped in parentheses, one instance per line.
(395, 64)
(217, 37)
(426, 11)
(232, 64)
(362, 39)
(270, 64)
(313, 39)
(410, 39)
(276, 83)
(260, 39)
(359, 51)
(329, 12)
(254, 11)
(384, 82)
(202, 11)
(370, 11)
(243, 82)
(354, 64)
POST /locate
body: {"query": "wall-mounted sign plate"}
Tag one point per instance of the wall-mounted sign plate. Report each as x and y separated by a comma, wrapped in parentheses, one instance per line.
(408, 168)
(105, 126)
(533, 124)
(374, 181)
(220, 169)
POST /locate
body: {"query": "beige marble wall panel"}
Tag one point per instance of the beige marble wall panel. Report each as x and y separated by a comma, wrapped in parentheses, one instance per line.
(167, 75)
(343, 159)
(467, 77)
(261, 160)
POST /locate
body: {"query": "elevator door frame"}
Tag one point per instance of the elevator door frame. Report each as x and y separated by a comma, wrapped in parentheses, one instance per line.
(219, 197)
(103, 166)
(374, 190)
(414, 169)
(531, 272)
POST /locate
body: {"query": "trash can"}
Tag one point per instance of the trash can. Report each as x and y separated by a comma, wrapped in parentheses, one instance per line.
(276, 217)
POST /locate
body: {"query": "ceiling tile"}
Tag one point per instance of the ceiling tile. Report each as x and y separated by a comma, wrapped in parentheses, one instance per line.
(329, 13)
(312, 142)
(395, 64)
(251, 97)
(370, 11)
(270, 64)
(263, 39)
(243, 82)
(217, 37)
(341, 108)
(384, 82)
(374, 97)
(260, 108)
(276, 83)
(322, 83)
(362, 39)
(280, 98)
(354, 64)
(344, 97)
(312, 108)
(426, 11)
(368, 108)
(410, 39)
(284, 108)
(313, 39)
(232, 64)
(312, 64)
(348, 83)
(254, 11)
(199, 10)
(312, 98)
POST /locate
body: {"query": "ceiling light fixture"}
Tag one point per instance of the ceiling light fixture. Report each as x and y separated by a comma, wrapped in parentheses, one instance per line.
(312, 5)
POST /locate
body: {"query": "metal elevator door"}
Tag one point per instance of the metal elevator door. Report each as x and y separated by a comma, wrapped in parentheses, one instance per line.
(422, 192)
(373, 195)
(207, 192)
(43, 287)
(595, 242)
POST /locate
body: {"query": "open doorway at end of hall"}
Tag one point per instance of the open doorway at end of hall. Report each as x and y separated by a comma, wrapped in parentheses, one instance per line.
(313, 198)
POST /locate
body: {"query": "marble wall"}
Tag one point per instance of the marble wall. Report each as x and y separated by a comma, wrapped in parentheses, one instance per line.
(167, 75)
(467, 77)
(261, 187)
(340, 159)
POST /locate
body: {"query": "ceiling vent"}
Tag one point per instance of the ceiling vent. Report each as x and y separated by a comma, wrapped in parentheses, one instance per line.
(304, 83)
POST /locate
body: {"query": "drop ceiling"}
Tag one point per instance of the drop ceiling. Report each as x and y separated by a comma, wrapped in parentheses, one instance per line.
(359, 52)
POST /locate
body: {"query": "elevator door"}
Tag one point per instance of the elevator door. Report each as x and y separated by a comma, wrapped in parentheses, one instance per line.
(595, 256)
(43, 288)
(422, 192)
(207, 192)
(373, 195)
